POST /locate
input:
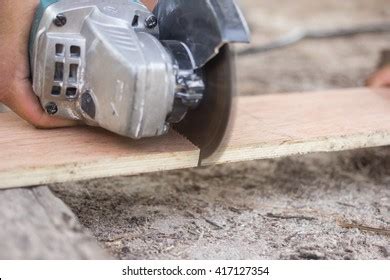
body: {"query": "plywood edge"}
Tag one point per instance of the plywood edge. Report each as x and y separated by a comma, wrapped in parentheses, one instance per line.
(125, 166)
(277, 150)
(312, 93)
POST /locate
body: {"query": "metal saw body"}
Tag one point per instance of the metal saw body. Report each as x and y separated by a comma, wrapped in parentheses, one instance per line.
(117, 65)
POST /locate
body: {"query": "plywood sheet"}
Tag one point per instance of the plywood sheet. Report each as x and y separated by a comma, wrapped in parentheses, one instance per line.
(265, 126)
(277, 125)
(29, 156)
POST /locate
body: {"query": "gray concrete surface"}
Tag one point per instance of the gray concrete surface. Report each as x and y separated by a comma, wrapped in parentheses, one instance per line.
(323, 206)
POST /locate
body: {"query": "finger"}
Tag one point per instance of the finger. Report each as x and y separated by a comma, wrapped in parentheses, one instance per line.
(150, 4)
(380, 79)
(24, 102)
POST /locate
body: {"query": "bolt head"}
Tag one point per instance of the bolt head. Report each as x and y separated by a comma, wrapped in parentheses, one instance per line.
(60, 20)
(166, 128)
(51, 108)
(151, 22)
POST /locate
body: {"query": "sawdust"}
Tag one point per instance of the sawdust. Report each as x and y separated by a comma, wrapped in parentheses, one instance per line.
(323, 206)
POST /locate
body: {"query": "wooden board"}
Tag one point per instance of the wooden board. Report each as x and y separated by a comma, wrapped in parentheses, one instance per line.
(279, 125)
(265, 127)
(31, 157)
(35, 224)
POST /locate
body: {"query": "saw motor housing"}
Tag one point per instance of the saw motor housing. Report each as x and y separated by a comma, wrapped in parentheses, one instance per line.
(106, 63)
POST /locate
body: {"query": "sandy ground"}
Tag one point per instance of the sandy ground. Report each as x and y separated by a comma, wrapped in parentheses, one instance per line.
(323, 206)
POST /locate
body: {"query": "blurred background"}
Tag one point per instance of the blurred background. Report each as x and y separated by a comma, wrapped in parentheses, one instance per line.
(312, 64)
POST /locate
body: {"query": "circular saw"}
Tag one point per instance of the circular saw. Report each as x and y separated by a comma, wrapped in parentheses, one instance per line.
(139, 73)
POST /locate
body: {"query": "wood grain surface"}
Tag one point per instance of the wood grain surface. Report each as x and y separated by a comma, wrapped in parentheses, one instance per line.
(279, 125)
(29, 156)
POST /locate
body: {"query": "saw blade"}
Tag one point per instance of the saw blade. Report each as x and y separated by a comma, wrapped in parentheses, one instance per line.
(207, 125)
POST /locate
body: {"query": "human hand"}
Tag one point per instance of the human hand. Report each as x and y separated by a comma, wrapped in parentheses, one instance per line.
(380, 79)
(15, 86)
(150, 4)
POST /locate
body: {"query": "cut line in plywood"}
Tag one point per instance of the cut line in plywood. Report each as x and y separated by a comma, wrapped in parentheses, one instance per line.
(29, 156)
(265, 127)
(278, 125)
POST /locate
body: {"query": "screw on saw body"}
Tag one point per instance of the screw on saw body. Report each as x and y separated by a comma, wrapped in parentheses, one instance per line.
(60, 20)
(166, 128)
(151, 22)
(51, 108)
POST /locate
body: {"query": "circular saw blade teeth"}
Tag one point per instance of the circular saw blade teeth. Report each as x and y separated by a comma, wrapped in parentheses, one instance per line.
(207, 125)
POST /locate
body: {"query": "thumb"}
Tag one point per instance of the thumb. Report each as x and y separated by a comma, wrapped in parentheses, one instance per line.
(22, 100)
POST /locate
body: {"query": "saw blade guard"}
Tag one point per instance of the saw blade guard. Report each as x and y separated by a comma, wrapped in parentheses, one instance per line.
(204, 26)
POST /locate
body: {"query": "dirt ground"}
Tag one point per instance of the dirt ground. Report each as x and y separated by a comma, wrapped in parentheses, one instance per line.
(322, 206)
